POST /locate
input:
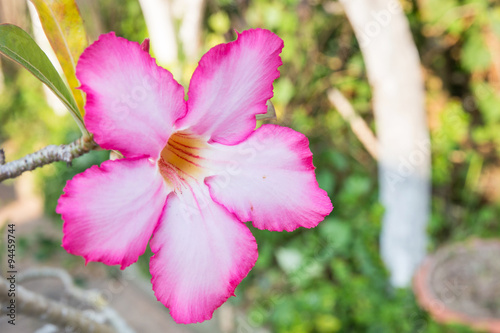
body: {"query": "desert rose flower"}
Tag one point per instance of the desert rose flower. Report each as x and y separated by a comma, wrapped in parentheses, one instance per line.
(193, 171)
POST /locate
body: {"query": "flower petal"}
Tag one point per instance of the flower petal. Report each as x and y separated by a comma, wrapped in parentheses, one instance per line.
(110, 212)
(269, 179)
(132, 103)
(202, 252)
(231, 85)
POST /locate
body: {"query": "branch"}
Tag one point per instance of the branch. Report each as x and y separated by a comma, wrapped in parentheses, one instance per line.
(88, 297)
(63, 276)
(45, 156)
(358, 125)
(38, 306)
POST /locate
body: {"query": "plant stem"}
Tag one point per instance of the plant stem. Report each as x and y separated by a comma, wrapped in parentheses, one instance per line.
(47, 155)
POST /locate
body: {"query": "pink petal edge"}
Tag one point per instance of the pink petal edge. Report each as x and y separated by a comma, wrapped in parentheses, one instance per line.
(274, 167)
(232, 84)
(132, 103)
(202, 252)
(110, 211)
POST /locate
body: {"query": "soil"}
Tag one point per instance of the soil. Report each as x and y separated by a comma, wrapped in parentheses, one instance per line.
(466, 278)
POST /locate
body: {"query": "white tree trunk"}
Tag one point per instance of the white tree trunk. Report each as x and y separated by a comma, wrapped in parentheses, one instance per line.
(190, 12)
(158, 16)
(393, 70)
(162, 18)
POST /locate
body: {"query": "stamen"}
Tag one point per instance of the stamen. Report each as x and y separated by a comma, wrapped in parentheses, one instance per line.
(181, 160)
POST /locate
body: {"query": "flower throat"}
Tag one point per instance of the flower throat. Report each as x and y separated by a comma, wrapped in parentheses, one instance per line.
(180, 160)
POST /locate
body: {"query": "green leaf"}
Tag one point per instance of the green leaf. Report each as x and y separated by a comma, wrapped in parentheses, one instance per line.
(475, 55)
(17, 45)
(63, 26)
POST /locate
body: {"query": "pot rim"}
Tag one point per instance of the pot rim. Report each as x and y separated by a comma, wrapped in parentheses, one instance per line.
(435, 306)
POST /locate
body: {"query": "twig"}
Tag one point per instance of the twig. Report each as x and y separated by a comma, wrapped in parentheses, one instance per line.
(358, 125)
(89, 297)
(46, 272)
(45, 156)
(38, 306)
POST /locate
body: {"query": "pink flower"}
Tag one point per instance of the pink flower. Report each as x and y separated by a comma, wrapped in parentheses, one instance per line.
(193, 171)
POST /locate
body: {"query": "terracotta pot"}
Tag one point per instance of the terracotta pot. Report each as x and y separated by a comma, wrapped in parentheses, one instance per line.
(460, 283)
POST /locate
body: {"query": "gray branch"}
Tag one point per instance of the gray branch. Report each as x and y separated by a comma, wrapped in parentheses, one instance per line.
(358, 125)
(45, 156)
(92, 298)
(38, 306)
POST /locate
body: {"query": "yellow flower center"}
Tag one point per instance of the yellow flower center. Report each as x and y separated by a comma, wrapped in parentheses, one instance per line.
(181, 161)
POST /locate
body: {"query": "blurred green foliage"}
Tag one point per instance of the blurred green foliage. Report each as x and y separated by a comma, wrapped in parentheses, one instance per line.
(331, 278)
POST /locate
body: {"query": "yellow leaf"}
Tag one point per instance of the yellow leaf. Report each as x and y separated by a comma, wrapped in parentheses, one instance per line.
(63, 26)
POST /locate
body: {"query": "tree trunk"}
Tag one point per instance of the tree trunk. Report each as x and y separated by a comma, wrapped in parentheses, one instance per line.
(191, 16)
(393, 70)
(159, 20)
(175, 31)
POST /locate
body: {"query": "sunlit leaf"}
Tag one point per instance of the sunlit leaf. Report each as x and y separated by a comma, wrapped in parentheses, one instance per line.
(64, 28)
(475, 55)
(270, 114)
(17, 45)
